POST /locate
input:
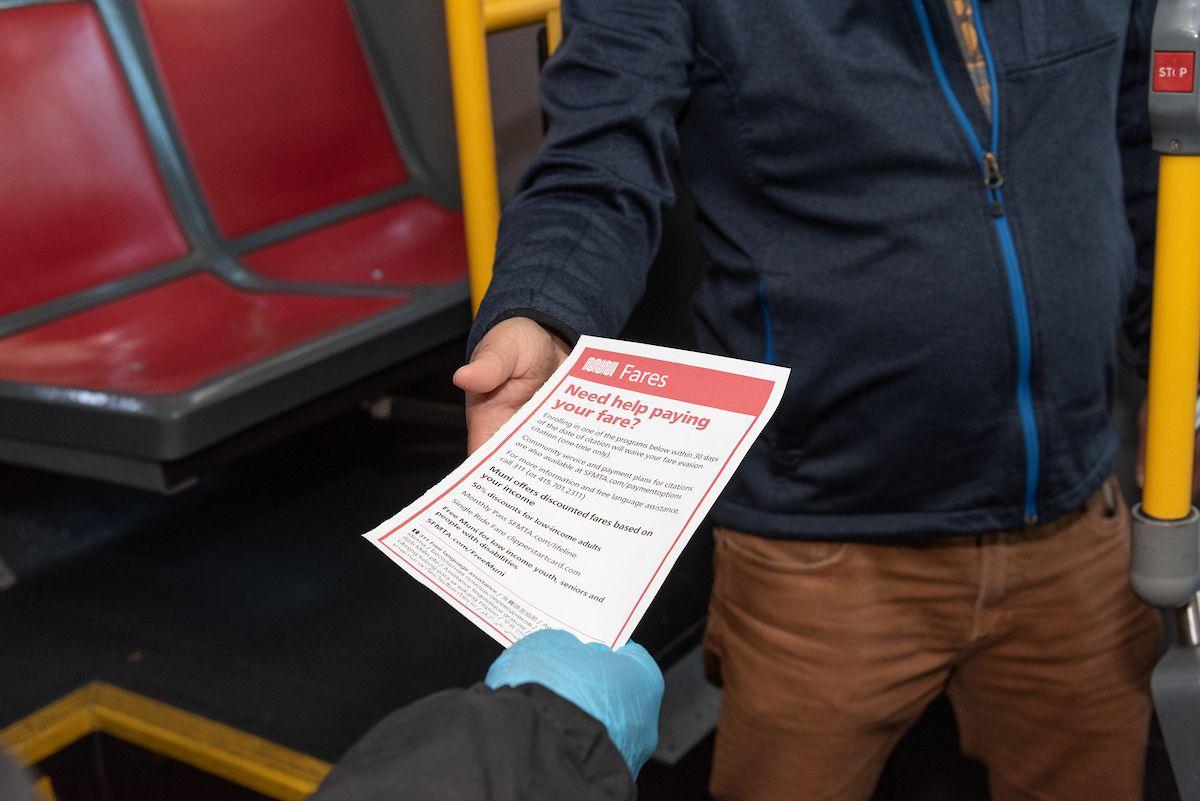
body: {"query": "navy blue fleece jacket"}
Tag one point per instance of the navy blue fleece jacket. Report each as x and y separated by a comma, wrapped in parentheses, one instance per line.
(947, 291)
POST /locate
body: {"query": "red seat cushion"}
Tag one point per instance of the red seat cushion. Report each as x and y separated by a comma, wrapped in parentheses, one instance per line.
(174, 336)
(276, 105)
(413, 242)
(82, 201)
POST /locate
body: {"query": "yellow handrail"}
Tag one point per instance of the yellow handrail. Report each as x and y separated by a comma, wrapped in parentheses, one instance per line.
(467, 24)
(501, 15)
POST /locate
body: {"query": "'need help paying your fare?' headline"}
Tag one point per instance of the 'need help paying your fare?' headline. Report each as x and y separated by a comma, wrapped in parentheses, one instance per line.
(574, 512)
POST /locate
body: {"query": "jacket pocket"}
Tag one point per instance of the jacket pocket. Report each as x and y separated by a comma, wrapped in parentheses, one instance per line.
(1061, 30)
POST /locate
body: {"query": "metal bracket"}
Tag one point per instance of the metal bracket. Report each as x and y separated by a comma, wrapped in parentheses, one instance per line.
(1176, 688)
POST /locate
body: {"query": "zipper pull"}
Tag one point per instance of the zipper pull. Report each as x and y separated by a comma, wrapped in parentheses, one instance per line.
(993, 179)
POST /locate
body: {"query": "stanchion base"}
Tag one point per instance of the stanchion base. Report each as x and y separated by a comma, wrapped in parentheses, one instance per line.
(1165, 565)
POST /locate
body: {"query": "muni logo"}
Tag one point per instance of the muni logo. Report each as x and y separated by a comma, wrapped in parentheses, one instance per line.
(600, 366)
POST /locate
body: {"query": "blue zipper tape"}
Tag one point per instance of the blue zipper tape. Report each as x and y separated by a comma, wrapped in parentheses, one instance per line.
(1008, 250)
(1016, 291)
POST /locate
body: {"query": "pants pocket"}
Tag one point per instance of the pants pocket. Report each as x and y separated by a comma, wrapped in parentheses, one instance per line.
(782, 556)
(1107, 503)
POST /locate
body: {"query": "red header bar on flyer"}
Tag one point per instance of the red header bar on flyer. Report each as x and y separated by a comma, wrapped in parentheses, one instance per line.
(700, 386)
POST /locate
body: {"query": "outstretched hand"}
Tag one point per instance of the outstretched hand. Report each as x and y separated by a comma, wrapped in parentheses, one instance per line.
(509, 365)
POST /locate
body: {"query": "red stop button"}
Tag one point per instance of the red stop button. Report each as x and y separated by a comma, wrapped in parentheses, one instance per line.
(1174, 71)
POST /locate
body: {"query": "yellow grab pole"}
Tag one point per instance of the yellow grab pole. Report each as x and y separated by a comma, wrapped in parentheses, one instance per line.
(476, 140)
(1175, 343)
(554, 29)
(467, 24)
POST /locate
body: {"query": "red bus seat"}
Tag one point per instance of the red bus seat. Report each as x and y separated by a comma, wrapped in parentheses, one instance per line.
(127, 328)
(174, 336)
(415, 241)
(275, 104)
(280, 116)
(82, 201)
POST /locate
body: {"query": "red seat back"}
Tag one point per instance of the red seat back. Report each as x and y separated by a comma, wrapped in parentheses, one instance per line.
(81, 202)
(276, 105)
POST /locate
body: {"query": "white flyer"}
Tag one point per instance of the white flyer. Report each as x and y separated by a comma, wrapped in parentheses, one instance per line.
(572, 515)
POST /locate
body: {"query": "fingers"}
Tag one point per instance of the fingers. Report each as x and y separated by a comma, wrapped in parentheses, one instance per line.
(648, 668)
(1196, 469)
(478, 433)
(1139, 470)
(636, 652)
(485, 416)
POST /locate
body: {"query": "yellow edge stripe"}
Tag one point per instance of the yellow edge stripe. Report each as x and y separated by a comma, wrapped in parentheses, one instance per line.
(50, 729)
(212, 747)
(45, 789)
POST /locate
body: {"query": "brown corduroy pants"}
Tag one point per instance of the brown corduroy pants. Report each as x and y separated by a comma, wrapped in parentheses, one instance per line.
(829, 651)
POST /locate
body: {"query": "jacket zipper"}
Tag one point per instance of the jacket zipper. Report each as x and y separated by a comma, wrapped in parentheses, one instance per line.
(993, 179)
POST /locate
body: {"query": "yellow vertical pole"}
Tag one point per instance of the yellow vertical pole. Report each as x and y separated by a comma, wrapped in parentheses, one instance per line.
(554, 30)
(1175, 341)
(476, 140)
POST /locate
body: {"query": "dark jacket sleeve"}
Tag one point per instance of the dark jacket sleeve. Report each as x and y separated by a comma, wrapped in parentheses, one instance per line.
(512, 744)
(577, 240)
(1139, 164)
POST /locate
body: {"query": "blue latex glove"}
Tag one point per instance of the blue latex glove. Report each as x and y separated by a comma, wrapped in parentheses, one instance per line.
(622, 689)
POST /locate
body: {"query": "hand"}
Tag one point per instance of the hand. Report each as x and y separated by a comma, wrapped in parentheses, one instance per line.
(510, 363)
(622, 689)
(1140, 469)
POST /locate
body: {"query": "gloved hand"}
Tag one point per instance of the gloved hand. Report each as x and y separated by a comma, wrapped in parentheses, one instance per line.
(622, 689)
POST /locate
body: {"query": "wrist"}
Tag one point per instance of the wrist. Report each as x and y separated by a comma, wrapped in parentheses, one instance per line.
(560, 331)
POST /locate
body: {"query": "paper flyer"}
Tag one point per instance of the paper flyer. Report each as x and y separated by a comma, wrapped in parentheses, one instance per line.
(573, 514)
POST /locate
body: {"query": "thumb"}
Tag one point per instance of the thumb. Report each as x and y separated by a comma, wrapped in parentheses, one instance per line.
(491, 365)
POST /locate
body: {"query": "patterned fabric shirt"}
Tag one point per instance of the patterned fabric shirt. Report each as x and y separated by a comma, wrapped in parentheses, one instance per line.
(962, 19)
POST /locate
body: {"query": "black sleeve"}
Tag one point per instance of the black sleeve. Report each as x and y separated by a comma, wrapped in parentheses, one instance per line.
(512, 744)
(1139, 165)
(576, 242)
